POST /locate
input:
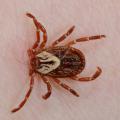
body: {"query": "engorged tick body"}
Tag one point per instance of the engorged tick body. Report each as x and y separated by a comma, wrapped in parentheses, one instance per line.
(54, 61)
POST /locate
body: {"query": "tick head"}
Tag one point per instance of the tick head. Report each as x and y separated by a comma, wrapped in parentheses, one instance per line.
(35, 63)
(33, 59)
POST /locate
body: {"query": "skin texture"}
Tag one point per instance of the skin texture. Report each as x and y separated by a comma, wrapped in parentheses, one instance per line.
(98, 99)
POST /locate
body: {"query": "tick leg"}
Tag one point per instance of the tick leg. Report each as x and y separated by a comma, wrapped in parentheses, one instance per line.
(83, 39)
(39, 27)
(26, 97)
(63, 36)
(66, 87)
(49, 88)
(93, 77)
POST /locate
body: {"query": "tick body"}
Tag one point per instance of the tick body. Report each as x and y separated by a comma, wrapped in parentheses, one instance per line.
(54, 61)
(71, 61)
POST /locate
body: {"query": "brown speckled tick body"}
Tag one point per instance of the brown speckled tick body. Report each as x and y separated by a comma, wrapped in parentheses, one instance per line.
(72, 61)
(54, 61)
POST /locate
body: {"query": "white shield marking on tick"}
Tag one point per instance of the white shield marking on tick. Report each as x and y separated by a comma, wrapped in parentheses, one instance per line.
(47, 57)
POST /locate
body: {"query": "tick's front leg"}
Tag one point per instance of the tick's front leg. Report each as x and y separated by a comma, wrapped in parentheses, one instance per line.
(83, 39)
(63, 36)
(39, 27)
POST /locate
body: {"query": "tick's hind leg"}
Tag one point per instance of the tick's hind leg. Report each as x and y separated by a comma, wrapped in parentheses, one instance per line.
(93, 77)
(66, 87)
(26, 97)
(39, 27)
(63, 36)
(49, 88)
(83, 39)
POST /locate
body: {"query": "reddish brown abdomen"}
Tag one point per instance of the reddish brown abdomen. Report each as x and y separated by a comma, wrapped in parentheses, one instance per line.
(72, 61)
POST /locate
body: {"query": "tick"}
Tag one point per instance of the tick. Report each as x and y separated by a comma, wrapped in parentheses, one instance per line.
(54, 62)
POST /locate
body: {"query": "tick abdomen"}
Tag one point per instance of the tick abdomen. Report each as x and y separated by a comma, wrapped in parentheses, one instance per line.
(72, 61)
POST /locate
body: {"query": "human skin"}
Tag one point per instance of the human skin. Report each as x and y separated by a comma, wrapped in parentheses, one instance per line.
(99, 99)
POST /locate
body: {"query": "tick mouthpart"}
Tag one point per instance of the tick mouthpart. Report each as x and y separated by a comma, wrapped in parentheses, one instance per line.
(31, 53)
(34, 62)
